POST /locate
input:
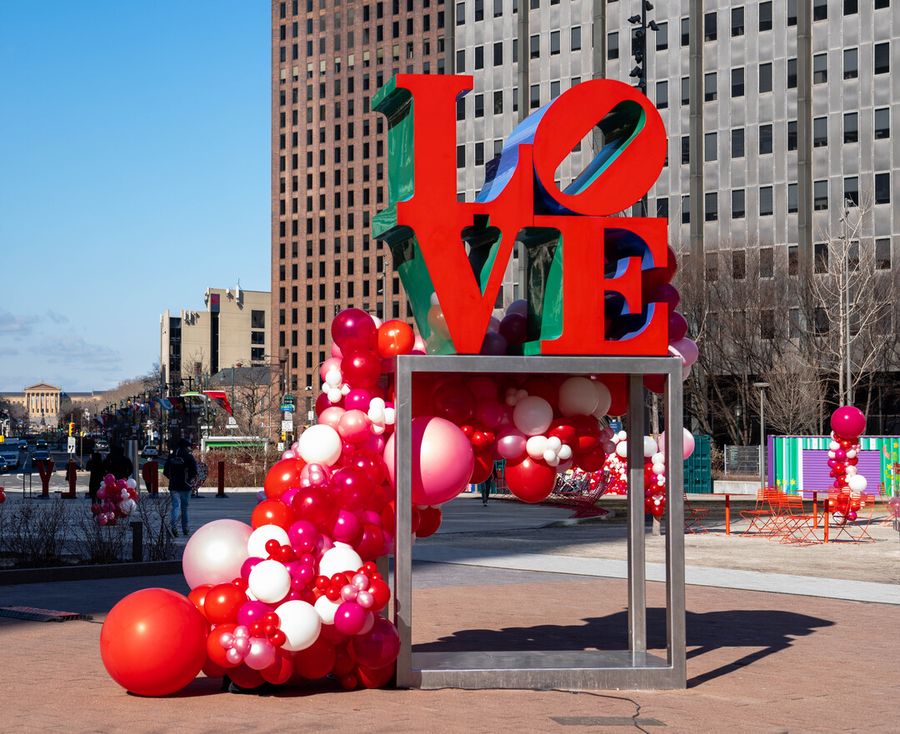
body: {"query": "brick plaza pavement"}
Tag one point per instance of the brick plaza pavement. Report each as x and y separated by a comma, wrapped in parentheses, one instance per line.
(757, 662)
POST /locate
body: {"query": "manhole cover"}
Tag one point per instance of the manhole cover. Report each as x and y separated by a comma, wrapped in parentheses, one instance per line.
(35, 614)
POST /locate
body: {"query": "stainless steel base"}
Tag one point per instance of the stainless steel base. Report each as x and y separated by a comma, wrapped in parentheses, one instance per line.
(543, 670)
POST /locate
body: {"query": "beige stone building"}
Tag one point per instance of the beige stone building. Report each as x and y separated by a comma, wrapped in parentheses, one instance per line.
(232, 330)
(43, 404)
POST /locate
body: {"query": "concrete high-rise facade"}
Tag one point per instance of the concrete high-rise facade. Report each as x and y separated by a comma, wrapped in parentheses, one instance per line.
(329, 162)
(233, 331)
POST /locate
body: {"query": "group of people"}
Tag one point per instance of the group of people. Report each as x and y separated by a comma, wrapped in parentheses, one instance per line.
(184, 472)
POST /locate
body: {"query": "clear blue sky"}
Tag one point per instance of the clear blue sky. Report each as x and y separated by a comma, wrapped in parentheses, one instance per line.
(134, 173)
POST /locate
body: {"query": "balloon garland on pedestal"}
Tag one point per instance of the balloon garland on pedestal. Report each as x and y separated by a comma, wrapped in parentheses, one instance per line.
(296, 594)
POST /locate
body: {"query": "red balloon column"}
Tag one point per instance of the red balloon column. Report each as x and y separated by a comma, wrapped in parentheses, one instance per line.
(847, 425)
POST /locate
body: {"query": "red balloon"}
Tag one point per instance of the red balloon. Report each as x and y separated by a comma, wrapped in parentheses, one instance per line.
(452, 400)
(587, 431)
(592, 460)
(382, 593)
(375, 677)
(315, 661)
(344, 659)
(245, 677)
(282, 476)
(317, 506)
(655, 383)
(563, 429)
(352, 488)
(429, 521)
(214, 650)
(484, 465)
(618, 390)
(529, 480)
(544, 386)
(153, 642)
(272, 512)
(379, 646)
(280, 671)
(371, 545)
(389, 517)
(211, 670)
(395, 337)
(198, 596)
(361, 369)
(353, 329)
(222, 603)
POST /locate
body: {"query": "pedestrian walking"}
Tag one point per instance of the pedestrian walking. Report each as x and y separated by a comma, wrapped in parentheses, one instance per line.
(180, 470)
(488, 484)
(117, 463)
(96, 468)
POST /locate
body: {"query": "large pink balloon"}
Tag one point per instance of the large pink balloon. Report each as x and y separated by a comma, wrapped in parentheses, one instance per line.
(688, 350)
(688, 446)
(443, 460)
(215, 553)
(848, 422)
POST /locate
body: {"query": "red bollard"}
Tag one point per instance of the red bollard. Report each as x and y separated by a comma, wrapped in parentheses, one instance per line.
(150, 474)
(221, 480)
(45, 471)
(727, 514)
(71, 477)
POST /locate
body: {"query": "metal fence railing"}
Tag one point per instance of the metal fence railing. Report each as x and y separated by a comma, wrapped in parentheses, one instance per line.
(741, 460)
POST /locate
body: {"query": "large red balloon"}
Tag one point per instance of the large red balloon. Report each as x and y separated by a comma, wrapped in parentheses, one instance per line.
(153, 642)
(377, 647)
(222, 603)
(530, 480)
(272, 512)
(316, 661)
(282, 476)
(429, 521)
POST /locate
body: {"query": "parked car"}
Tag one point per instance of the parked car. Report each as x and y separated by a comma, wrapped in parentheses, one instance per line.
(40, 455)
(149, 452)
(101, 445)
(3, 464)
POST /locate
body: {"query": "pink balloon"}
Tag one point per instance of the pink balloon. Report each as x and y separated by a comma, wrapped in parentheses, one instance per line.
(354, 426)
(252, 611)
(214, 553)
(288, 495)
(419, 346)
(678, 326)
(848, 422)
(347, 527)
(336, 351)
(357, 399)
(261, 653)
(353, 329)
(687, 349)
(349, 618)
(442, 460)
(511, 443)
(379, 646)
(303, 536)
(490, 414)
(327, 365)
(314, 475)
(331, 416)
(688, 445)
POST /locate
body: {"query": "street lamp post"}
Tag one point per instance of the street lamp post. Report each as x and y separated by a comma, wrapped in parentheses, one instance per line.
(761, 386)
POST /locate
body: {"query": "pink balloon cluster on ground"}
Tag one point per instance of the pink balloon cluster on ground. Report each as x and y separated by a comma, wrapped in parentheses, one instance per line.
(847, 425)
(117, 498)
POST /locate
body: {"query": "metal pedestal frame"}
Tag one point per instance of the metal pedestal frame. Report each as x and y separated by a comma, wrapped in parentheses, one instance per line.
(581, 669)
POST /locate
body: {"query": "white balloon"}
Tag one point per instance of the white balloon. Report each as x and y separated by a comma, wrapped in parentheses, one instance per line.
(834, 446)
(550, 458)
(658, 458)
(131, 484)
(214, 553)
(536, 446)
(850, 470)
(604, 399)
(857, 483)
(320, 444)
(621, 436)
(256, 543)
(269, 581)
(300, 623)
(554, 443)
(565, 452)
(622, 449)
(650, 447)
(851, 453)
(532, 415)
(659, 469)
(578, 396)
(339, 559)
(326, 609)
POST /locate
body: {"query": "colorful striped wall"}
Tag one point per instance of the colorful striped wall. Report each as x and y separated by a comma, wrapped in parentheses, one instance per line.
(800, 463)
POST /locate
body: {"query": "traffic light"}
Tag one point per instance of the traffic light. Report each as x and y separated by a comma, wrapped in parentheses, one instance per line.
(71, 429)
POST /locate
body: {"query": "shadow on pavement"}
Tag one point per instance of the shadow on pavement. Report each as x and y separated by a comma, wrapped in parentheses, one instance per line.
(769, 630)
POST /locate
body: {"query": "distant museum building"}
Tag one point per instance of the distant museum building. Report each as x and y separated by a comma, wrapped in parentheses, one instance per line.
(43, 404)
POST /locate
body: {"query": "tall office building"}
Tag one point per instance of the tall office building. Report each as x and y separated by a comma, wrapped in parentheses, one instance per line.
(329, 162)
(758, 87)
(749, 171)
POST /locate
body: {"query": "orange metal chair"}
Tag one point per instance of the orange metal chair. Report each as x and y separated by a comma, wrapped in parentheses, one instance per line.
(694, 517)
(791, 522)
(857, 531)
(761, 517)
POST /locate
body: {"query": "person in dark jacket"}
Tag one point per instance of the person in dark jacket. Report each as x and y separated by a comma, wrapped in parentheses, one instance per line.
(117, 463)
(180, 469)
(95, 467)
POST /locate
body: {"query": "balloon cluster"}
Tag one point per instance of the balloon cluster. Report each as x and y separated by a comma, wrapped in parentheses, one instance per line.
(847, 425)
(117, 498)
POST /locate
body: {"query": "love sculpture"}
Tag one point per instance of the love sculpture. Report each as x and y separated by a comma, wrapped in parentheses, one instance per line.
(586, 268)
(598, 303)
